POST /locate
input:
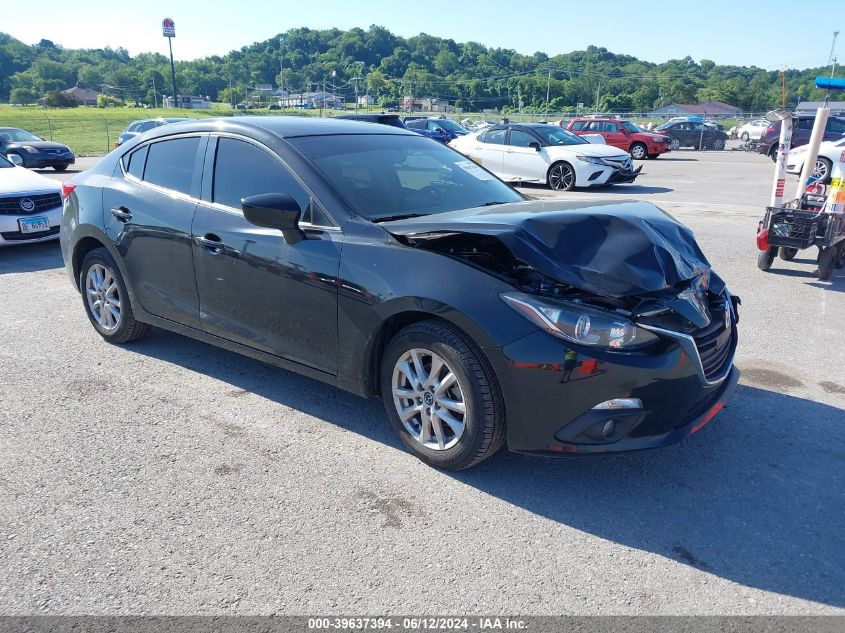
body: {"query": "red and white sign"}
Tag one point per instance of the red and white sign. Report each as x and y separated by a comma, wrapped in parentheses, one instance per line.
(168, 27)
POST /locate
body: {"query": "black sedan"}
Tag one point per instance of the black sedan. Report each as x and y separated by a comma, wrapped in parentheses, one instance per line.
(34, 151)
(389, 265)
(693, 134)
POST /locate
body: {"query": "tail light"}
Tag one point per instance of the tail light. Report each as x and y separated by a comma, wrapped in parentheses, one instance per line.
(67, 189)
(770, 130)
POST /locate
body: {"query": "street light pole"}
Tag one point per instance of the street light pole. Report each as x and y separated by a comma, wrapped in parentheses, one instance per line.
(168, 29)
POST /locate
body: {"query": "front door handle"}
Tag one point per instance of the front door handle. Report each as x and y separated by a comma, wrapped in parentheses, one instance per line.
(122, 214)
(211, 243)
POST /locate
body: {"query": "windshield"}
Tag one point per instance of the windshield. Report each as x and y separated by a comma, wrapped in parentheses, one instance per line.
(384, 176)
(4, 162)
(451, 126)
(631, 127)
(19, 136)
(553, 135)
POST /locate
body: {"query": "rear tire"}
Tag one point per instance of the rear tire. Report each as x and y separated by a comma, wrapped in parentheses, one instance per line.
(106, 300)
(653, 156)
(787, 254)
(639, 151)
(827, 262)
(773, 152)
(60, 167)
(765, 259)
(718, 144)
(481, 430)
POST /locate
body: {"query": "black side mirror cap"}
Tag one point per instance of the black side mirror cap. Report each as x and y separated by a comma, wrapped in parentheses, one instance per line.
(535, 145)
(275, 211)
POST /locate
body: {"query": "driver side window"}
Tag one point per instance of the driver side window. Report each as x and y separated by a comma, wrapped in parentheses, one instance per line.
(242, 169)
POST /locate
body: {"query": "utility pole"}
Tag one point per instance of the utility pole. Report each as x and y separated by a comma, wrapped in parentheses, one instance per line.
(282, 65)
(548, 88)
(598, 92)
(155, 96)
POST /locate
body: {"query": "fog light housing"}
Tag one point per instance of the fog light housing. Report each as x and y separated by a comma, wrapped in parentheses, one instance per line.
(619, 403)
(609, 429)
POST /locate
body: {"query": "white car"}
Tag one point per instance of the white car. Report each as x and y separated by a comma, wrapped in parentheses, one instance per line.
(830, 152)
(30, 205)
(752, 130)
(546, 154)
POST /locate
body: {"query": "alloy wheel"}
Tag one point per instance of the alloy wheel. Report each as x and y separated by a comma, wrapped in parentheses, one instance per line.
(103, 296)
(561, 177)
(821, 170)
(429, 399)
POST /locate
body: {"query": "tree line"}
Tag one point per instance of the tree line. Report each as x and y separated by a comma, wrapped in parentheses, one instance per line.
(388, 67)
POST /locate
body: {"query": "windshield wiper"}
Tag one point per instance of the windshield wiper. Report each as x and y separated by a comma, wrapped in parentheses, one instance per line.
(400, 216)
(492, 204)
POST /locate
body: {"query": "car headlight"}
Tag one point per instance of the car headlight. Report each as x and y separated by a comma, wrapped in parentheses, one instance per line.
(580, 324)
(590, 159)
(29, 148)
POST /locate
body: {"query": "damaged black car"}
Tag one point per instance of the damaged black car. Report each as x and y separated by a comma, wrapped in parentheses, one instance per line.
(391, 266)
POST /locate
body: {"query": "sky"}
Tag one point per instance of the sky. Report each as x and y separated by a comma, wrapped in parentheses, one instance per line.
(740, 33)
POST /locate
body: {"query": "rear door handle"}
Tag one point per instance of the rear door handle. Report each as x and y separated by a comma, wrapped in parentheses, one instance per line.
(211, 243)
(122, 214)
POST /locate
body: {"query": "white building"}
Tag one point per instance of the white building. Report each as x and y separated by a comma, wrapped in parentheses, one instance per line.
(366, 100)
(314, 100)
(189, 102)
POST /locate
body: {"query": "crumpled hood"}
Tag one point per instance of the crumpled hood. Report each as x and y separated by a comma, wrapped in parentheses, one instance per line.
(611, 248)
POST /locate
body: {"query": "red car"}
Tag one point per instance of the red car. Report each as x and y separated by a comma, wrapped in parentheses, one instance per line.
(624, 135)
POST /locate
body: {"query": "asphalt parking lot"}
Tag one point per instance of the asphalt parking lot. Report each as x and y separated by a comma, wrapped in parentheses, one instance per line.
(171, 477)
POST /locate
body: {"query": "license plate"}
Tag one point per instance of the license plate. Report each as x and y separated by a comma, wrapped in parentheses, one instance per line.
(34, 225)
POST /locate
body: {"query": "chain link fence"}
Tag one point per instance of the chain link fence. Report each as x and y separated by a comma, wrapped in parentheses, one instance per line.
(93, 131)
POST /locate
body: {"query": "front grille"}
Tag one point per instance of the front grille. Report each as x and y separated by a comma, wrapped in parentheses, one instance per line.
(623, 164)
(43, 202)
(17, 236)
(715, 341)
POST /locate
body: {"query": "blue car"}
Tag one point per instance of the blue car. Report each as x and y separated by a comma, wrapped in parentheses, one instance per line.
(443, 130)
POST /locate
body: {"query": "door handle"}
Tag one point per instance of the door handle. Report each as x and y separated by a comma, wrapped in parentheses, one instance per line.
(211, 243)
(122, 214)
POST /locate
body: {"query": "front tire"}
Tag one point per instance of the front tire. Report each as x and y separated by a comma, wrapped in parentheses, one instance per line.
(765, 259)
(561, 177)
(442, 396)
(718, 144)
(675, 145)
(60, 167)
(638, 151)
(823, 170)
(106, 299)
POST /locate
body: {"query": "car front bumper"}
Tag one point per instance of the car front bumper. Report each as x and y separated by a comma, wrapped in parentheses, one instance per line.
(10, 230)
(42, 160)
(550, 402)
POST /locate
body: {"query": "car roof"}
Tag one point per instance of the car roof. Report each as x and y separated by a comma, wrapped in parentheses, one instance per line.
(12, 128)
(281, 126)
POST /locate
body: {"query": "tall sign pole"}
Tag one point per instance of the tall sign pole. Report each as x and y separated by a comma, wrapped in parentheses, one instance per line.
(168, 30)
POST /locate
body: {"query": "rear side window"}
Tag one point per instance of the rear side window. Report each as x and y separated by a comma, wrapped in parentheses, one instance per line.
(170, 164)
(836, 125)
(135, 162)
(495, 137)
(241, 170)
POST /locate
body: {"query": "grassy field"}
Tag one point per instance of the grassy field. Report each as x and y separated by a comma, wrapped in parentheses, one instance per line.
(92, 131)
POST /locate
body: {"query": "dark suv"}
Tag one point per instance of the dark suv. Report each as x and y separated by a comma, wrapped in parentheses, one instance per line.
(802, 127)
(692, 134)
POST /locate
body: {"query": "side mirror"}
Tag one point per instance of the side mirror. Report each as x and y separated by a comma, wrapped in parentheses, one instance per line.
(15, 159)
(535, 145)
(275, 211)
(440, 130)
